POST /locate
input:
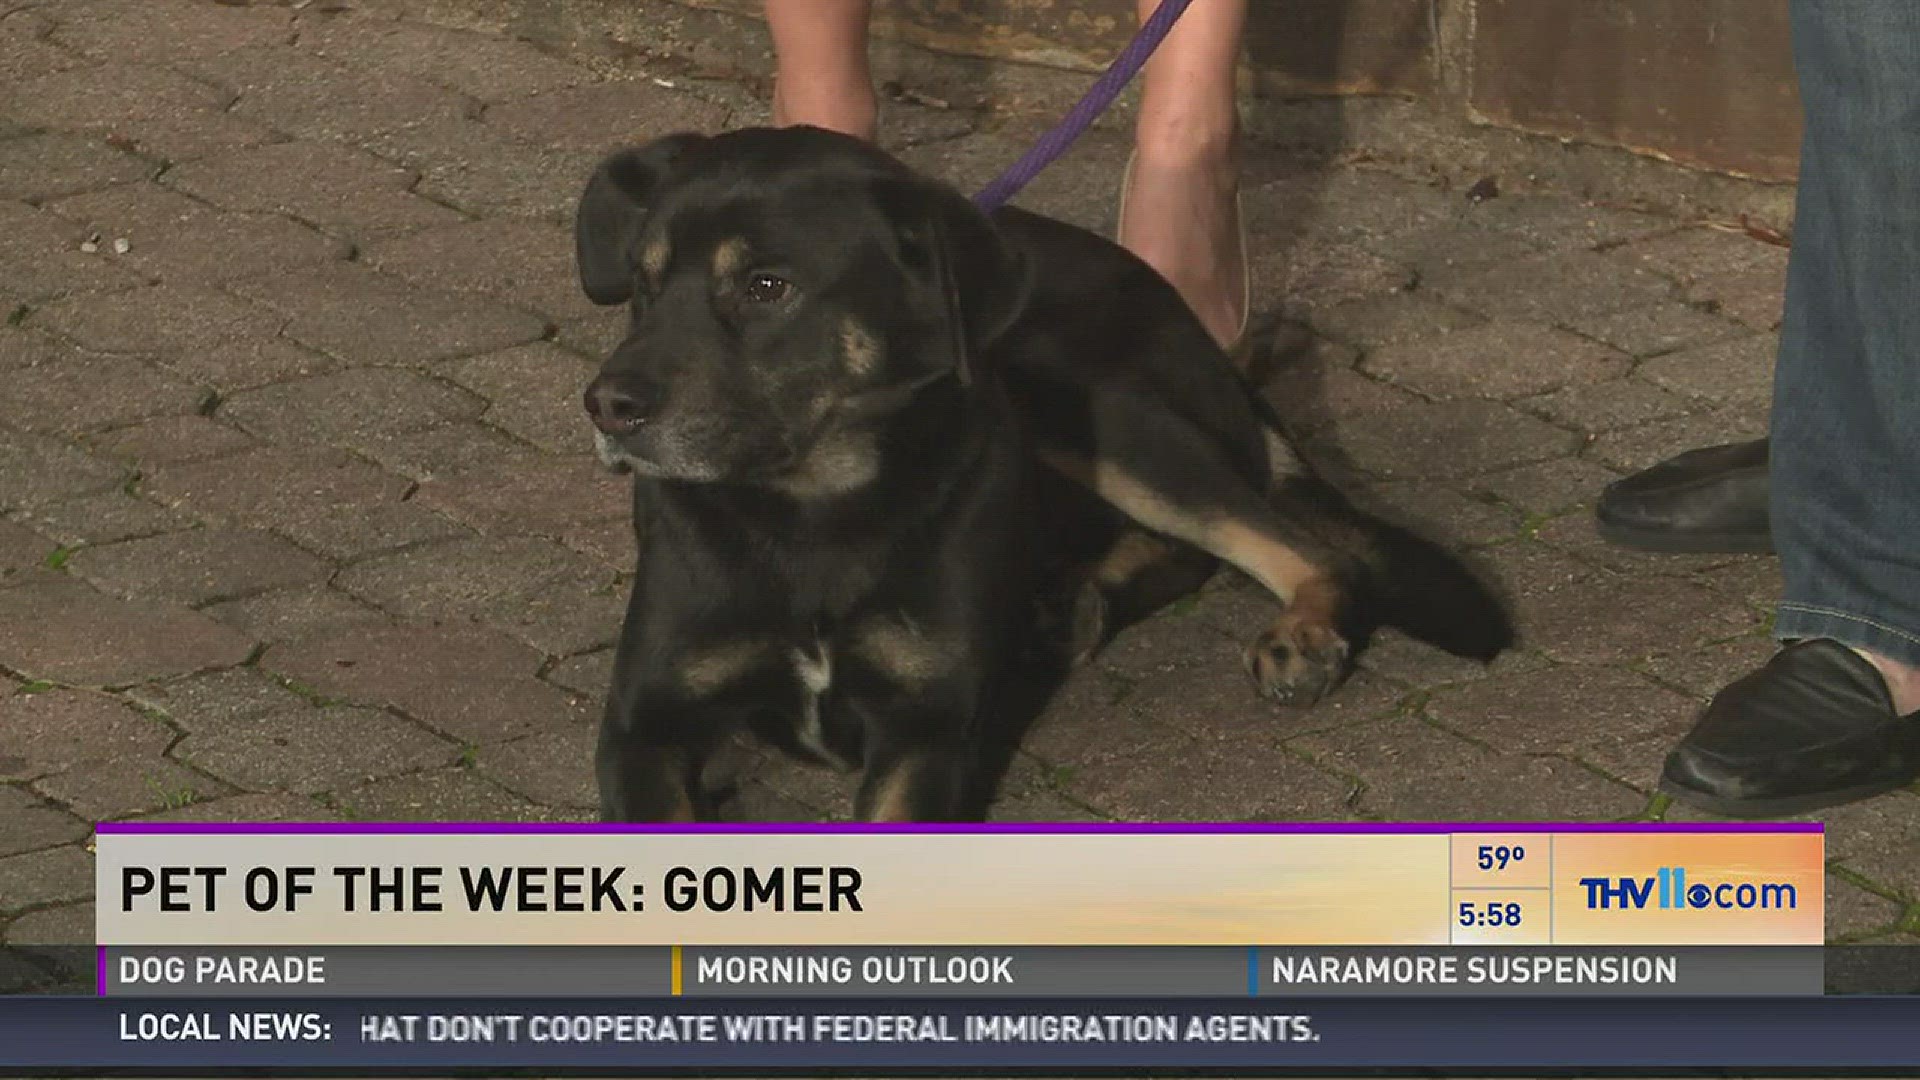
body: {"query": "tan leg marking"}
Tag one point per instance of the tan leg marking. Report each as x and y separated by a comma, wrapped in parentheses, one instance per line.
(892, 797)
(906, 652)
(1284, 571)
(1282, 462)
(1267, 560)
(684, 811)
(706, 671)
(676, 772)
(1301, 656)
(1133, 553)
(1089, 619)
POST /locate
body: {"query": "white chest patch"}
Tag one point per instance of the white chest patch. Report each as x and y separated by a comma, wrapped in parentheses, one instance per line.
(815, 670)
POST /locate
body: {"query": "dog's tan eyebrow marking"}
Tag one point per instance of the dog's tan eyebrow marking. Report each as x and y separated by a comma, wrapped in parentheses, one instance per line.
(707, 670)
(859, 347)
(729, 256)
(653, 259)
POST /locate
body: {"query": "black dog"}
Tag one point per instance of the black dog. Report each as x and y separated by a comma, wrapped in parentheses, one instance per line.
(872, 427)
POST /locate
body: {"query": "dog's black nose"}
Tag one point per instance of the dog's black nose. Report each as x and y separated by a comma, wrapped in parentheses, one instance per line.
(618, 405)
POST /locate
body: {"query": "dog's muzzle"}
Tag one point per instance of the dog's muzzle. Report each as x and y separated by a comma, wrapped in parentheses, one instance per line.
(665, 450)
(611, 455)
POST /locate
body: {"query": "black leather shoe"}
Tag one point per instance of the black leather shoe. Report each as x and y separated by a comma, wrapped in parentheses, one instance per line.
(1706, 501)
(1814, 727)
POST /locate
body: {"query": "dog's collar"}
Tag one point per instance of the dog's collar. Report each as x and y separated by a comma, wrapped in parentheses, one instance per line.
(887, 397)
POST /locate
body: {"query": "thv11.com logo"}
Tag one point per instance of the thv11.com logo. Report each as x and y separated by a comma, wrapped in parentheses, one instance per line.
(1668, 889)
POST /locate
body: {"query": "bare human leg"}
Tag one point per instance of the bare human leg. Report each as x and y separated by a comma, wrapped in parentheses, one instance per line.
(821, 76)
(1180, 211)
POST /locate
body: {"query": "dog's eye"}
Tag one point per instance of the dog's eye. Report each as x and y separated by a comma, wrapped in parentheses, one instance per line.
(768, 289)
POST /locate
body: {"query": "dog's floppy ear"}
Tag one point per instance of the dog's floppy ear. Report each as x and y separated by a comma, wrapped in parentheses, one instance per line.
(613, 208)
(982, 280)
(989, 278)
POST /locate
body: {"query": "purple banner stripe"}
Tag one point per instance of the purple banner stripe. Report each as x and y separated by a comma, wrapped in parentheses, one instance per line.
(1304, 828)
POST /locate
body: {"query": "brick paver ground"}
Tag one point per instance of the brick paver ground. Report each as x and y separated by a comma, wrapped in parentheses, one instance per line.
(297, 518)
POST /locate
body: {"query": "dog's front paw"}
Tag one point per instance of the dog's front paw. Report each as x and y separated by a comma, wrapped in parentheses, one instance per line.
(1298, 663)
(1088, 628)
(1072, 620)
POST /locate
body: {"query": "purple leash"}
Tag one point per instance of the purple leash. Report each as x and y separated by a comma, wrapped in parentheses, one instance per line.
(1102, 94)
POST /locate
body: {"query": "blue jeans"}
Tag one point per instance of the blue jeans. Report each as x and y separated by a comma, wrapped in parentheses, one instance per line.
(1845, 464)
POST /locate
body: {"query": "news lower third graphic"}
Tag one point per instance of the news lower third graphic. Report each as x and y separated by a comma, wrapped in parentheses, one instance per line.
(808, 949)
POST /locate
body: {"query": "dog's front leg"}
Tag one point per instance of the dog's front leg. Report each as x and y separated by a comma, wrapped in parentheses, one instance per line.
(922, 759)
(647, 768)
(918, 780)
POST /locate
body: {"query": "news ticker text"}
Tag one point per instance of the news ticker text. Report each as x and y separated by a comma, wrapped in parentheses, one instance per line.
(1011, 972)
(785, 1036)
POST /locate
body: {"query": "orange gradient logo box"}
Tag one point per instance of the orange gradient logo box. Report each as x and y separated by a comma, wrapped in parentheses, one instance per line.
(1696, 889)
